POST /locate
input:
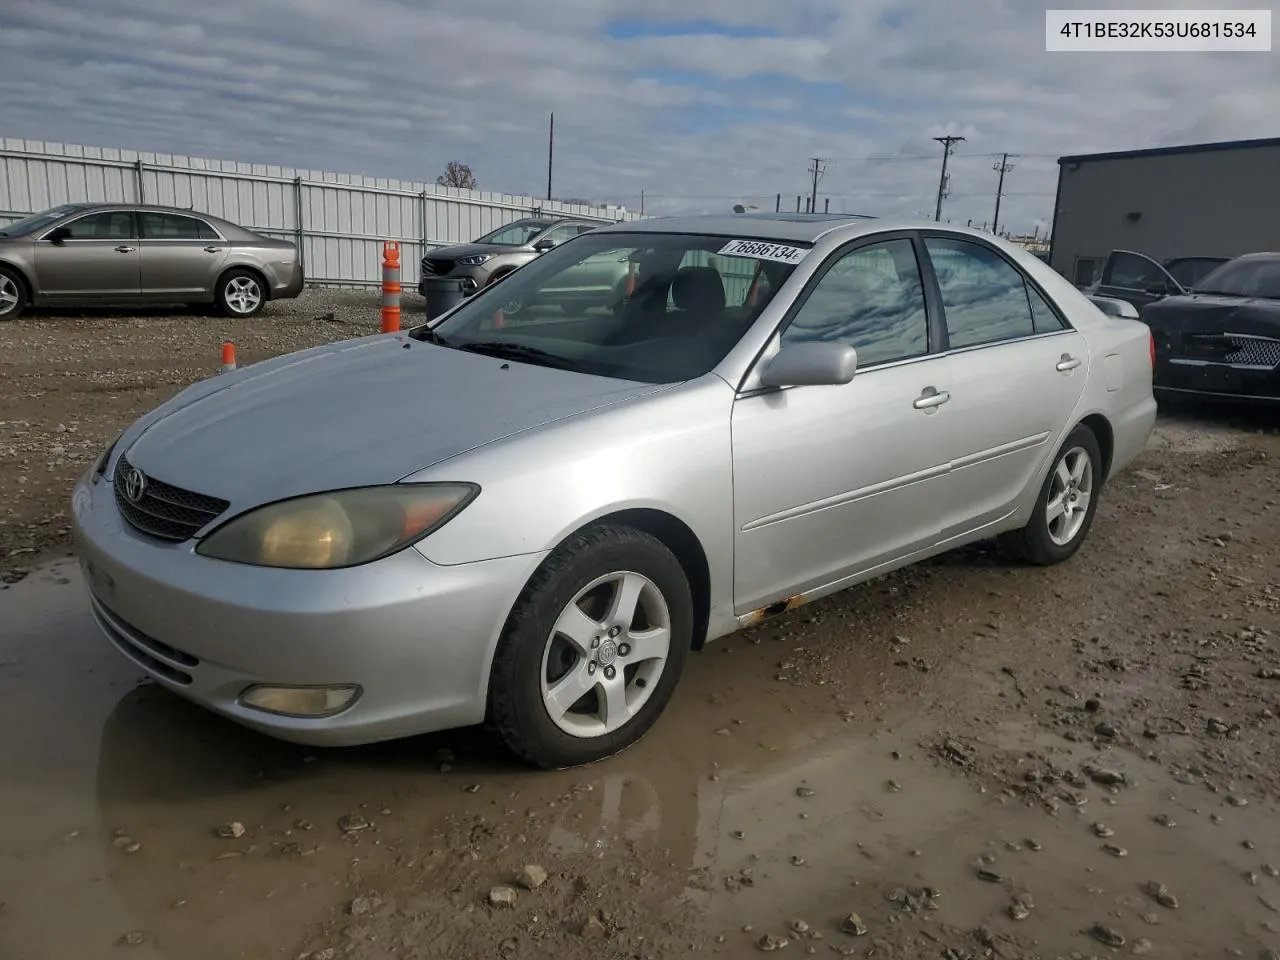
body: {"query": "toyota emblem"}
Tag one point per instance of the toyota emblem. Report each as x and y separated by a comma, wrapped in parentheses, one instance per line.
(135, 485)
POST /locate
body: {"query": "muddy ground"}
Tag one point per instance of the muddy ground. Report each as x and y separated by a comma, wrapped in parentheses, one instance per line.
(972, 758)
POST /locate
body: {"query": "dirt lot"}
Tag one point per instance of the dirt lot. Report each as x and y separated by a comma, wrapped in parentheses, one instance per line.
(69, 383)
(975, 760)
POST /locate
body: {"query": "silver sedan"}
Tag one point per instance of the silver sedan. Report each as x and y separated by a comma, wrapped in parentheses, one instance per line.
(528, 519)
(122, 253)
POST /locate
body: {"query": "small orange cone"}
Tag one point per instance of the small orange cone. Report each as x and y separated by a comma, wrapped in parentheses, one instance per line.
(228, 356)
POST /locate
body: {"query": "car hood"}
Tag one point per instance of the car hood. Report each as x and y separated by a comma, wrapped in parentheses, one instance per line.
(460, 250)
(1205, 313)
(356, 413)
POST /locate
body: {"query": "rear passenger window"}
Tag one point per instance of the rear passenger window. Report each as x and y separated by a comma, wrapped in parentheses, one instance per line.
(1042, 316)
(984, 298)
(167, 226)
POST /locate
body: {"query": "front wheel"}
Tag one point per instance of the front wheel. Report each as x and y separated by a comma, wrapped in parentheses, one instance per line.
(13, 294)
(593, 649)
(240, 294)
(1066, 505)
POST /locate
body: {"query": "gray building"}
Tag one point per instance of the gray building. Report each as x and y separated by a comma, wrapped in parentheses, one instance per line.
(1208, 199)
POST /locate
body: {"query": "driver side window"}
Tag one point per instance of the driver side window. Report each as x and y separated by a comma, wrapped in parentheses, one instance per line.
(872, 299)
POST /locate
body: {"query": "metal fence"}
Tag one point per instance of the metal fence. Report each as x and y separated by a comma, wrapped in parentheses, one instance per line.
(338, 220)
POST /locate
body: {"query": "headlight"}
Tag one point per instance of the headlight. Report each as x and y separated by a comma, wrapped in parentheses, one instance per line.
(475, 261)
(100, 467)
(340, 529)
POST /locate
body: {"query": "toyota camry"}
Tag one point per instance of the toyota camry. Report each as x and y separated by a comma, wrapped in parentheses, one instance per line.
(528, 517)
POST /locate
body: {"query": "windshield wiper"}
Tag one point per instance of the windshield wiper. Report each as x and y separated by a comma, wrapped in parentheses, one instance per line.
(505, 349)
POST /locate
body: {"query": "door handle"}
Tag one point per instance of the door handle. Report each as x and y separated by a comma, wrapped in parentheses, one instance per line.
(1067, 362)
(212, 249)
(931, 397)
(124, 248)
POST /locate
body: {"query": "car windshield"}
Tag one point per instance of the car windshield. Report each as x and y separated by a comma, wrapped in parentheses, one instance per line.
(1244, 277)
(1189, 271)
(36, 221)
(648, 307)
(515, 234)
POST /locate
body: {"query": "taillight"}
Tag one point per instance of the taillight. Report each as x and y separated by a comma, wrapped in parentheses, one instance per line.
(1151, 339)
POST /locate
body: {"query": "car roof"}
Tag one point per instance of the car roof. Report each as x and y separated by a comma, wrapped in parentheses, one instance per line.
(794, 227)
(1259, 255)
(142, 207)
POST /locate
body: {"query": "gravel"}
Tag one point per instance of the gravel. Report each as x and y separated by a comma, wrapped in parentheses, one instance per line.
(70, 382)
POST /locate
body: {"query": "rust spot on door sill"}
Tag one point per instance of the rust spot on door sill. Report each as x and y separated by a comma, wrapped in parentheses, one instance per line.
(773, 610)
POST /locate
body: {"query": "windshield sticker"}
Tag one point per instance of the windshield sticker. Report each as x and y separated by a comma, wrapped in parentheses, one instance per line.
(763, 250)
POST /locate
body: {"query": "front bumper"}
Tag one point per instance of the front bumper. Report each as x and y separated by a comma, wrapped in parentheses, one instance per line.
(1176, 375)
(416, 637)
(473, 277)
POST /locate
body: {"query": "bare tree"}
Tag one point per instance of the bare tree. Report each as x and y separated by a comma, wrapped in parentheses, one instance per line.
(457, 175)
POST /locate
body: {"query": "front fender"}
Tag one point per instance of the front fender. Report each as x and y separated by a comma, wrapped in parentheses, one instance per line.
(670, 452)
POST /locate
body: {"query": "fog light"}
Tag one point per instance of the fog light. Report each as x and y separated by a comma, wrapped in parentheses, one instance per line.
(300, 701)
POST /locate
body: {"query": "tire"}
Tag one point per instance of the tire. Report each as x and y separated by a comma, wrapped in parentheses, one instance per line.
(1042, 542)
(14, 299)
(578, 582)
(240, 293)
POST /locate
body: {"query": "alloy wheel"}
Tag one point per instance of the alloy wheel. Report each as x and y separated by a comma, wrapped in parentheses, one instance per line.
(242, 294)
(605, 654)
(10, 295)
(1069, 496)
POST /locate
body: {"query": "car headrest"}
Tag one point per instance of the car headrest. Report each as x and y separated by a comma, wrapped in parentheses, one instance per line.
(698, 290)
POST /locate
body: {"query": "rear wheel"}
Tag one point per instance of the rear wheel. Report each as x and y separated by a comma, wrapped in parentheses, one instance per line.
(592, 650)
(13, 294)
(1066, 505)
(240, 294)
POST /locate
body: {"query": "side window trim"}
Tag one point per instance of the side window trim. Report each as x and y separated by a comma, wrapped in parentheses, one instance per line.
(1028, 284)
(135, 228)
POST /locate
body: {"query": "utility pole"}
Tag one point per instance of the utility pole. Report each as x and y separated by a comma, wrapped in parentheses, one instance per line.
(817, 171)
(1003, 167)
(551, 150)
(947, 144)
(642, 203)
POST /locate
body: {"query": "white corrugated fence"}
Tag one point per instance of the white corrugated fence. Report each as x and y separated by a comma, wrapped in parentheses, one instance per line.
(339, 220)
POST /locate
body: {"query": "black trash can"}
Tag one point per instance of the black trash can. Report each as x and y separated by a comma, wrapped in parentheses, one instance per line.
(442, 294)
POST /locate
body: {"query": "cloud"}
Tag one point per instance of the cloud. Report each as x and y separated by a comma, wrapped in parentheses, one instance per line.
(698, 103)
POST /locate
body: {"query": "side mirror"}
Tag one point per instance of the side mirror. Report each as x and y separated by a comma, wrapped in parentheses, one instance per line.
(543, 245)
(1114, 307)
(810, 365)
(58, 234)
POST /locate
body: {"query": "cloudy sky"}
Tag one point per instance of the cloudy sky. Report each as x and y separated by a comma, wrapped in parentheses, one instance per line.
(700, 103)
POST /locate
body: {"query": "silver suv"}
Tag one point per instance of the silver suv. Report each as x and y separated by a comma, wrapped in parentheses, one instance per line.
(494, 255)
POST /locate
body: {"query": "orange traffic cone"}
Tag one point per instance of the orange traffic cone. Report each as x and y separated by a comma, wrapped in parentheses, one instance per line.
(228, 356)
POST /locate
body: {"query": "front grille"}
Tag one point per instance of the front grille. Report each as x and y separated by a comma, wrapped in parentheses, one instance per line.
(436, 268)
(165, 511)
(1238, 348)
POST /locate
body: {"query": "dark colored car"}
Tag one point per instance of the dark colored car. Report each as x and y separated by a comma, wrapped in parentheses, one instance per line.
(1140, 280)
(1222, 338)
